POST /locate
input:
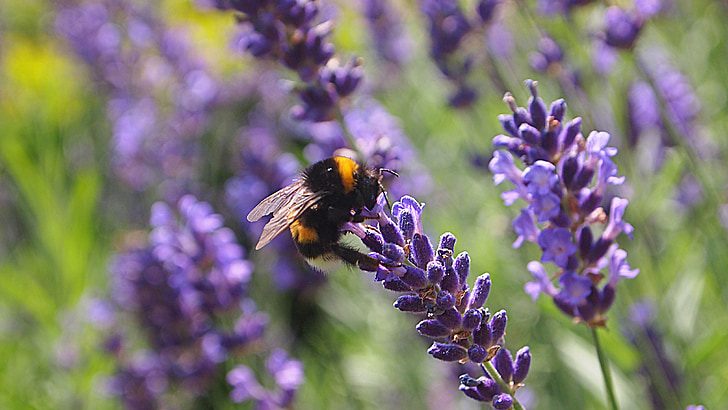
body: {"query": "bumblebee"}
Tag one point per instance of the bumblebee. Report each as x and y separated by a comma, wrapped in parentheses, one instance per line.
(317, 204)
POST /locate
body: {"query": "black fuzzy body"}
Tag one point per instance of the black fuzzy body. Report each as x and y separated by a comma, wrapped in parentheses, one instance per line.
(345, 188)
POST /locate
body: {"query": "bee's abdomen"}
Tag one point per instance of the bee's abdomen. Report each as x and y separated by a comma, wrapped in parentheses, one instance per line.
(302, 233)
(313, 233)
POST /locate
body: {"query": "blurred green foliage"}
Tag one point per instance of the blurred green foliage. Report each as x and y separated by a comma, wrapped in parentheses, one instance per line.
(57, 237)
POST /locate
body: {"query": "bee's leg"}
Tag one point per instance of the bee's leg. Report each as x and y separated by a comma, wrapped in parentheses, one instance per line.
(358, 217)
(354, 257)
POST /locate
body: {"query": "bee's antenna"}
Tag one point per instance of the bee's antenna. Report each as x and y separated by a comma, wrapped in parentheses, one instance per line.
(389, 171)
(381, 172)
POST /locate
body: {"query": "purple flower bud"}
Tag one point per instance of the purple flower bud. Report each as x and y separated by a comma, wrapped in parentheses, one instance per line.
(447, 352)
(435, 272)
(382, 272)
(599, 249)
(395, 284)
(406, 224)
(422, 252)
(483, 335)
(590, 203)
(450, 281)
(450, 318)
(503, 362)
(471, 319)
(549, 53)
(344, 78)
(522, 365)
(508, 124)
(462, 267)
(481, 290)
(568, 170)
(374, 241)
(536, 106)
(486, 9)
(607, 297)
(471, 392)
(445, 300)
(550, 142)
(498, 325)
(530, 134)
(410, 303)
(573, 128)
(414, 277)
(464, 96)
(487, 388)
(587, 309)
(394, 252)
(447, 241)
(391, 233)
(468, 381)
(317, 105)
(558, 109)
(582, 178)
(585, 241)
(503, 401)
(432, 328)
(622, 28)
(477, 353)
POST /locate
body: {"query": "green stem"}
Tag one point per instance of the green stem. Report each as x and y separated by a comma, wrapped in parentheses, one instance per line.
(488, 367)
(604, 365)
(348, 136)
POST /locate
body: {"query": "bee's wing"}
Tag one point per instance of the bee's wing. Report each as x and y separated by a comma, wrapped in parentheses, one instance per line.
(291, 210)
(275, 201)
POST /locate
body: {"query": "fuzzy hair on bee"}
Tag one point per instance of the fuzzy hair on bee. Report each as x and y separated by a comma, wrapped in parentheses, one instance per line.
(317, 204)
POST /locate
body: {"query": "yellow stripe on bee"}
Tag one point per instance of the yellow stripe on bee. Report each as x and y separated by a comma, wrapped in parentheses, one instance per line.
(302, 233)
(346, 167)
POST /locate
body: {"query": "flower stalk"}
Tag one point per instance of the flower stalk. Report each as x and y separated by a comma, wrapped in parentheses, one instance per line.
(604, 366)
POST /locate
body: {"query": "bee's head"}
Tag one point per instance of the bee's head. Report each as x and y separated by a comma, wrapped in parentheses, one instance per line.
(370, 185)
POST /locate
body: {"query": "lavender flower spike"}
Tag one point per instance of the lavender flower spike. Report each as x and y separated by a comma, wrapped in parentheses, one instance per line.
(289, 32)
(563, 183)
(179, 286)
(434, 282)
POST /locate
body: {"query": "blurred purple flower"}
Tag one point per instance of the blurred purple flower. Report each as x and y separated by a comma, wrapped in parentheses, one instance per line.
(643, 109)
(549, 58)
(448, 27)
(682, 104)
(657, 367)
(387, 31)
(604, 57)
(551, 7)
(159, 93)
(290, 33)
(563, 184)
(621, 27)
(286, 373)
(179, 287)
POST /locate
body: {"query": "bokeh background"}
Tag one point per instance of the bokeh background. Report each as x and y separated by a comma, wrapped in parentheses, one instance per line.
(92, 134)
